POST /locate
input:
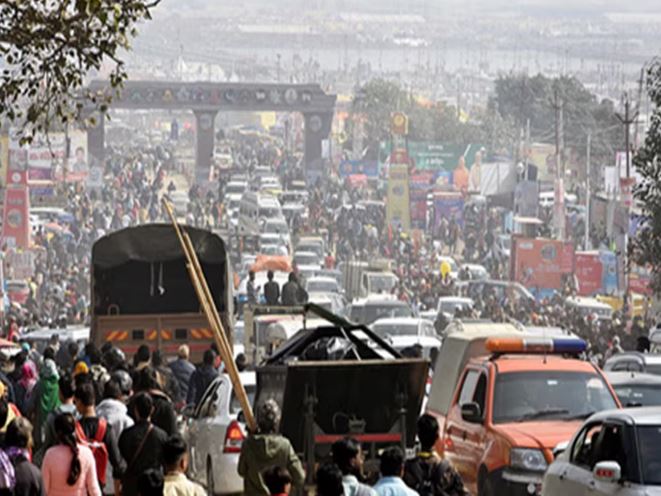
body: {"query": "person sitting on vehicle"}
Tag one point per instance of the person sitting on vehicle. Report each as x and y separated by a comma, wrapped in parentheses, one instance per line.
(271, 290)
(292, 293)
(277, 480)
(427, 473)
(175, 461)
(348, 455)
(392, 469)
(265, 449)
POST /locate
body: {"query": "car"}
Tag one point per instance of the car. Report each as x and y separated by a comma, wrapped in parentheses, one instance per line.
(333, 302)
(273, 239)
(215, 432)
(273, 250)
(475, 271)
(590, 306)
(369, 309)
(318, 284)
(512, 407)
(309, 247)
(615, 452)
(499, 289)
(307, 258)
(636, 388)
(18, 291)
(634, 361)
(403, 326)
(180, 201)
(236, 189)
(429, 344)
(448, 305)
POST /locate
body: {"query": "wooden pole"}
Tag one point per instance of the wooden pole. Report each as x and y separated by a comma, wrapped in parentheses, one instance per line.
(206, 300)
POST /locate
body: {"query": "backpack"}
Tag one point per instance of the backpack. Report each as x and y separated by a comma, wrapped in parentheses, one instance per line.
(98, 447)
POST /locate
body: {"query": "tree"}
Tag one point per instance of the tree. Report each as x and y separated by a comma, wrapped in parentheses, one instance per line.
(522, 98)
(646, 246)
(49, 47)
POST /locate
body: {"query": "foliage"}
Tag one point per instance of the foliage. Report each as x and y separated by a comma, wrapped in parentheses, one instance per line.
(49, 46)
(520, 97)
(428, 121)
(646, 246)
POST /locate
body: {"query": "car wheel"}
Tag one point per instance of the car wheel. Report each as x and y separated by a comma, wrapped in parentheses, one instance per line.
(211, 488)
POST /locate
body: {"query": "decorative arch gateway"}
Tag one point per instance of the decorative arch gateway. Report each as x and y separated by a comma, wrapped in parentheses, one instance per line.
(207, 99)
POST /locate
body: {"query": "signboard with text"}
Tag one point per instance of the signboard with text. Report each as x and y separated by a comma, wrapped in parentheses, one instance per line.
(541, 264)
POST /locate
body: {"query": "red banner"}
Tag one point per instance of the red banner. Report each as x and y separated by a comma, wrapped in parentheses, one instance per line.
(541, 263)
(589, 272)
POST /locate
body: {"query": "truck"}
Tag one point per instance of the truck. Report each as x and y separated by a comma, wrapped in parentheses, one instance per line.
(142, 293)
(507, 402)
(327, 379)
(361, 279)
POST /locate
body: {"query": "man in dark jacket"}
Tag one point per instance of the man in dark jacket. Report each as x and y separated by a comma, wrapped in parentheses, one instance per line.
(271, 290)
(201, 378)
(164, 415)
(292, 292)
(141, 445)
(17, 446)
(427, 473)
(182, 370)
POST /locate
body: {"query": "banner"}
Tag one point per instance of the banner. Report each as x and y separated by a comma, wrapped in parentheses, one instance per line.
(448, 205)
(589, 273)
(541, 264)
(419, 187)
(640, 279)
(16, 221)
(397, 207)
(370, 168)
(45, 154)
(430, 155)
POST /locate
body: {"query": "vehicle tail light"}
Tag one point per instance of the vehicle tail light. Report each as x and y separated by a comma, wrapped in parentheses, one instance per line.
(233, 438)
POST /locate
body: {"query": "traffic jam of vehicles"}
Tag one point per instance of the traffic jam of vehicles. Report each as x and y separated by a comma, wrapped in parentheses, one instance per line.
(255, 274)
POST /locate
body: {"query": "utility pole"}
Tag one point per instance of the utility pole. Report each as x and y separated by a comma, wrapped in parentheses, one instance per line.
(626, 121)
(558, 187)
(587, 193)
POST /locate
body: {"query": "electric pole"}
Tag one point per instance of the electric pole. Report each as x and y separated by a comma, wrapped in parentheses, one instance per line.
(558, 187)
(626, 121)
(587, 193)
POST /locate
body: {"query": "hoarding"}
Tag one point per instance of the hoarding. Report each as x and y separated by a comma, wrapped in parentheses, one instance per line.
(541, 264)
(448, 205)
(397, 208)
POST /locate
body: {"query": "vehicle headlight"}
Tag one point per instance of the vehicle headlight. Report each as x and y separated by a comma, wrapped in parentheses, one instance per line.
(528, 459)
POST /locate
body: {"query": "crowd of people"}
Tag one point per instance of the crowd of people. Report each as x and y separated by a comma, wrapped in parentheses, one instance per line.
(89, 422)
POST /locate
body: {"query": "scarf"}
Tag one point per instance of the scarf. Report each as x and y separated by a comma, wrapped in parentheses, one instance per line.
(28, 376)
(50, 398)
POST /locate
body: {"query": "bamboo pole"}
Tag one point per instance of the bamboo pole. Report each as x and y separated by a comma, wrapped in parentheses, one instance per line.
(206, 300)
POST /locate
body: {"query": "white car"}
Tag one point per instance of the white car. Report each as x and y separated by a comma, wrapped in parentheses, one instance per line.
(448, 305)
(307, 258)
(403, 326)
(322, 284)
(215, 433)
(615, 452)
(477, 272)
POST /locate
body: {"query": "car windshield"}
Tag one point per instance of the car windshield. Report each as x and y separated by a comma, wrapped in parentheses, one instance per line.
(269, 212)
(451, 306)
(384, 330)
(638, 395)
(276, 227)
(376, 312)
(322, 286)
(545, 395)
(305, 259)
(235, 406)
(381, 283)
(235, 188)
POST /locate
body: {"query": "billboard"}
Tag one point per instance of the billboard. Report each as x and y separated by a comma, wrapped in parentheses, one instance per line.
(448, 205)
(589, 273)
(370, 168)
(397, 208)
(419, 186)
(16, 221)
(541, 264)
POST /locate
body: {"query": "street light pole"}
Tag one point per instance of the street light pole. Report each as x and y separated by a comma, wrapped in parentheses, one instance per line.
(587, 194)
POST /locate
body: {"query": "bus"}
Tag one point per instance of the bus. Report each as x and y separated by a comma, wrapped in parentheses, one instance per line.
(142, 292)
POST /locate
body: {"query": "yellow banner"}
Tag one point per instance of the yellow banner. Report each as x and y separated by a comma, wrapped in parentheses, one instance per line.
(397, 211)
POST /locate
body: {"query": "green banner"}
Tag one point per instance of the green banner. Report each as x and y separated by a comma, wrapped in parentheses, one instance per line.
(433, 155)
